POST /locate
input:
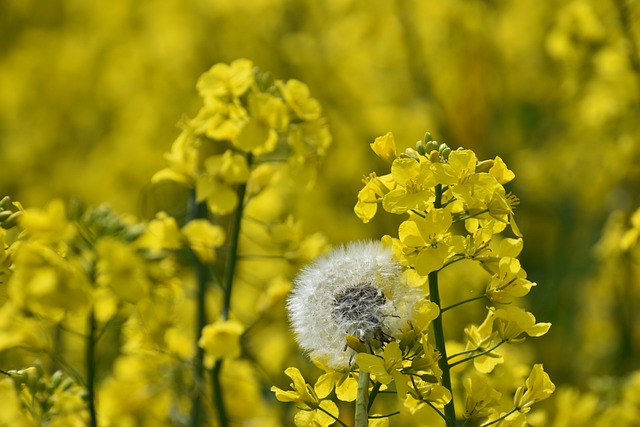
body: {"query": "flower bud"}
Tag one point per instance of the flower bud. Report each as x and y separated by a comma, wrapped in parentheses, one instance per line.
(12, 220)
(428, 137)
(484, 166)
(56, 380)
(410, 153)
(421, 147)
(5, 202)
(431, 146)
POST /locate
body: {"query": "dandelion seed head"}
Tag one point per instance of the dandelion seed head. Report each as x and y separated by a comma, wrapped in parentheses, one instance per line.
(356, 289)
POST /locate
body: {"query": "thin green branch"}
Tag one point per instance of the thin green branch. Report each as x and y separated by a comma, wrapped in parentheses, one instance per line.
(453, 261)
(477, 355)
(230, 267)
(624, 15)
(227, 286)
(422, 399)
(470, 216)
(502, 417)
(332, 416)
(438, 332)
(438, 411)
(462, 353)
(91, 368)
(461, 303)
(68, 368)
(198, 211)
(371, 417)
(374, 392)
(218, 400)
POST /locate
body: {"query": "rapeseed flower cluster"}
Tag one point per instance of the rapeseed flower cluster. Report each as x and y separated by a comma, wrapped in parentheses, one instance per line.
(120, 307)
(90, 96)
(382, 318)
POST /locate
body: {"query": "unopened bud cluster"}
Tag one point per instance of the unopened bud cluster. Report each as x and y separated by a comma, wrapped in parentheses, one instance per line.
(434, 150)
(9, 213)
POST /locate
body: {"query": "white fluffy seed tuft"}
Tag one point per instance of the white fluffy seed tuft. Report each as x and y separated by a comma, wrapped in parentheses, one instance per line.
(356, 289)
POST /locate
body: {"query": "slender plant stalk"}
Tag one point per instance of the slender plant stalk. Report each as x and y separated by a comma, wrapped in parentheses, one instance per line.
(332, 416)
(442, 310)
(500, 419)
(362, 400)
(372, 396)
(91, 368)
(227, 285)
(232, 257)
(199, 211)
(467, 359)
(438, 332)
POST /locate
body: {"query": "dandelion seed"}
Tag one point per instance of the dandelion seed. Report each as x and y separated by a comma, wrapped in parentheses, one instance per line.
(356, 289)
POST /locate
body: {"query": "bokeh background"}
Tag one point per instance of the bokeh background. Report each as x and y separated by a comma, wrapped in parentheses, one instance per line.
(90, 94)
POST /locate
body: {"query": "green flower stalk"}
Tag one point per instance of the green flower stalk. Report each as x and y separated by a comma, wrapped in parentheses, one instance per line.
(385, 313)
(249, 127)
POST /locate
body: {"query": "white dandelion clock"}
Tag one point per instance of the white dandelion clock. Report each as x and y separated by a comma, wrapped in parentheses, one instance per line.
(356, 289)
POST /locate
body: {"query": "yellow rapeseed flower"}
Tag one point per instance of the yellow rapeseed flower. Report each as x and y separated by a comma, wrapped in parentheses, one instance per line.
(385, 147)
(226, 80)
(222, 339)
(203, 238)
(538, 386)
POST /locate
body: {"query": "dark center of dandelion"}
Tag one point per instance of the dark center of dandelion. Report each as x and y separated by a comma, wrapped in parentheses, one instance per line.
(359, 310)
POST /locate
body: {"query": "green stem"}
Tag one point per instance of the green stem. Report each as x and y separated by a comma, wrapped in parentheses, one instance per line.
(91, 369)
(462, 353)
(624, 14)
(460, 303)
(477, 355)
(501, 418)
(232, 256)
(332, 416)
(438, 332)
(199, 211)
(227, 286)
(362, 400)
(372, 396)
(461, 257)
(385, 415)
(218, 400)
(415, 387)
(473, 215)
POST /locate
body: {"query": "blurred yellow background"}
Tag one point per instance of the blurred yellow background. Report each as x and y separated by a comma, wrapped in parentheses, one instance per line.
(90, 94)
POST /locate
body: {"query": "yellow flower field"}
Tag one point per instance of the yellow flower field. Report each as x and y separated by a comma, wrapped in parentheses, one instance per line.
(279, 213)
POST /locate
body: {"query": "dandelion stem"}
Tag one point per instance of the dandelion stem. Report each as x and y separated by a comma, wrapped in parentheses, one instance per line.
(438, 332)
(362, 400)
(91, 368)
